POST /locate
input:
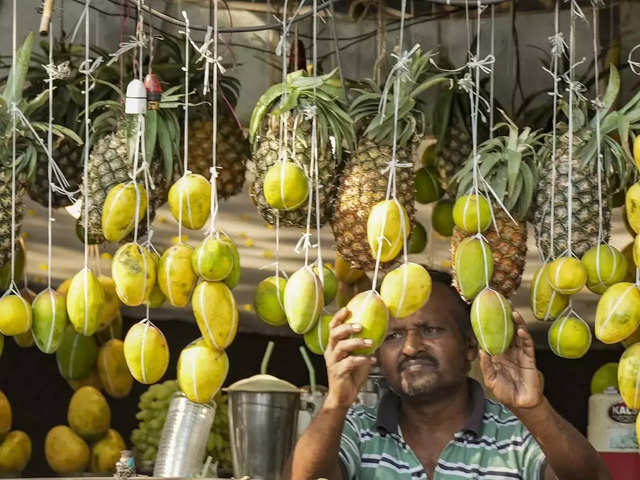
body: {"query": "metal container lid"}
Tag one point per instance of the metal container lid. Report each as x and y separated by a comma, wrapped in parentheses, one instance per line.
(263, 383)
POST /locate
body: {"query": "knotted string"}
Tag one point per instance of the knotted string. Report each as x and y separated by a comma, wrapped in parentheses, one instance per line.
(87, 68)
(208, 58)
(185, 160)
(212, 59)
(634, 65)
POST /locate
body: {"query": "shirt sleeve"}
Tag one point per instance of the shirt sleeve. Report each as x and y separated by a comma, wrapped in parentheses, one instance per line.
(532, 457)
(350, 447)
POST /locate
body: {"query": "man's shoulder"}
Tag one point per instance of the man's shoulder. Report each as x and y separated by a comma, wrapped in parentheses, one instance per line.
(363, 416)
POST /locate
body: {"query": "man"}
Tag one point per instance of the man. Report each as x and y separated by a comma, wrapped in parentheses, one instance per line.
(435, 423)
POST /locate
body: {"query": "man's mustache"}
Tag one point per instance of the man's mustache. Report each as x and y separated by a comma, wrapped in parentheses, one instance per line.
(422, 359)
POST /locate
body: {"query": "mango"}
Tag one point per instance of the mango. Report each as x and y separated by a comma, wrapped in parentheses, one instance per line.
(629, 376)
(636, 251)
(5, 415)
(472, 213)
(546, 303)
(85, 318)
(233, 278)
(91, 380)
(285, 186)
(89, 414)
(492, 321)
(427, 186)
(212, 260)
(605, 266)
(15, 452)
(76, 356)
(49, 320)
(631, 339)
(369, 310)
(344, 272)
(406, 289)
(156, 297)
(24, 340)
(176, 277)
(632, 206)
(618, 313)
(567, 275)
(63, 288)
(201, 371)
(303, 300)
(119, 210)
(113, 330)
(388, 221)
(569, 337)
(604, 377)
(15, 315)
(191, 194)
(329, 283)
(317, 338)
(111, 302)
(417, 241)
(146, 352)
(268, 301)
(214, 307)
(112, 369)
(134, 273)
(105, 453)
(66, 452)
(473, 266)
(442, 217)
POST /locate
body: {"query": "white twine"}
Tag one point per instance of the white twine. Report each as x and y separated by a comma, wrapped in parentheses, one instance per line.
(12, 286)
(57, 72)
(598, 103)
(282, 46)
(492, 74)
(87, 69)
(398, 73)
(50, 218)
(634, 65)
(208, 58)
(314, 144)
(185, 160)
(571, 87)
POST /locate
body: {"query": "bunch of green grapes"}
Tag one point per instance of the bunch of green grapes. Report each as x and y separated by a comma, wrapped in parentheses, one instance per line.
(153, 405)
(218, 444)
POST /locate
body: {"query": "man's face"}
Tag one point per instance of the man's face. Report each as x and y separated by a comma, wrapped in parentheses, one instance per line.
(425, 354)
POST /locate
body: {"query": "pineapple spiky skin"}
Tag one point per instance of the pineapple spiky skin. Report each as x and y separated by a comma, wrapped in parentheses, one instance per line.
(108, 166)
(584, 225)
(266, 154)
(508, 248)
(231, 155)
(361, 186)
(68, 156)
(456, 148)
(5, 213)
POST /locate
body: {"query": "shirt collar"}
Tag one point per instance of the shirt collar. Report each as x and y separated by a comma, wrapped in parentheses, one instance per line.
(388, 418)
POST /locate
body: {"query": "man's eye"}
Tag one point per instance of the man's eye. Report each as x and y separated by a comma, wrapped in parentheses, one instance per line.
(393, 336)
(431, 330)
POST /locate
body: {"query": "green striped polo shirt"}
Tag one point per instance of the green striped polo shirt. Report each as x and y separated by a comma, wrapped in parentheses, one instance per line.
(493, 445)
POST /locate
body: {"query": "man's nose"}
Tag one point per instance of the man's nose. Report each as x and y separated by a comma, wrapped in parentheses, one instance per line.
(412, 343)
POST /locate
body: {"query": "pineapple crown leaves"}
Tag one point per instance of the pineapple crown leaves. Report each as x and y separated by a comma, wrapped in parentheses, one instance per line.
(373, 108)
(162, 130)
(12, 94)
(617, 159)
(297, 95)
(507, 164)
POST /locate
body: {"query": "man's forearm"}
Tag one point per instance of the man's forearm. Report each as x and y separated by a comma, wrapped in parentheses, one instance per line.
(568, 453)
(316, 453)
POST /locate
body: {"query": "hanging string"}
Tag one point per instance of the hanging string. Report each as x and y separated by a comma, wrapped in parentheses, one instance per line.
(492, 74)
(398, 74)
(12, 285)
(140, 127)
(50, 218)
(634, 65)
(214, 133)
(87, 146)
(314, 142)
(185, 160)
(598, 106)
(571, 74)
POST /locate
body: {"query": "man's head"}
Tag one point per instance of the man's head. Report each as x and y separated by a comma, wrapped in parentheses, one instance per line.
(429, 353)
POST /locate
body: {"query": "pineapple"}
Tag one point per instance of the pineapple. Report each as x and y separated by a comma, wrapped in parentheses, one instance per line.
(232, 146)
(68, 104)
(111, 158)
(264, 133)
(617, 170)
(507, 164)
(362, 183)
(26, 145)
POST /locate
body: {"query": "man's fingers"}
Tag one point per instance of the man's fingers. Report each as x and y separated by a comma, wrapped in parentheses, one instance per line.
(339, 318)
(486, 367)
(344, 347)
(342, 331)
(518, 320)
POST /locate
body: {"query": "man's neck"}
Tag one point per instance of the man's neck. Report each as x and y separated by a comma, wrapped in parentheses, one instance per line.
(441, 413)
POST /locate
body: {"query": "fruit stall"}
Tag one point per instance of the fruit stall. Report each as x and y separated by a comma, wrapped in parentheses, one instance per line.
(190, 189)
